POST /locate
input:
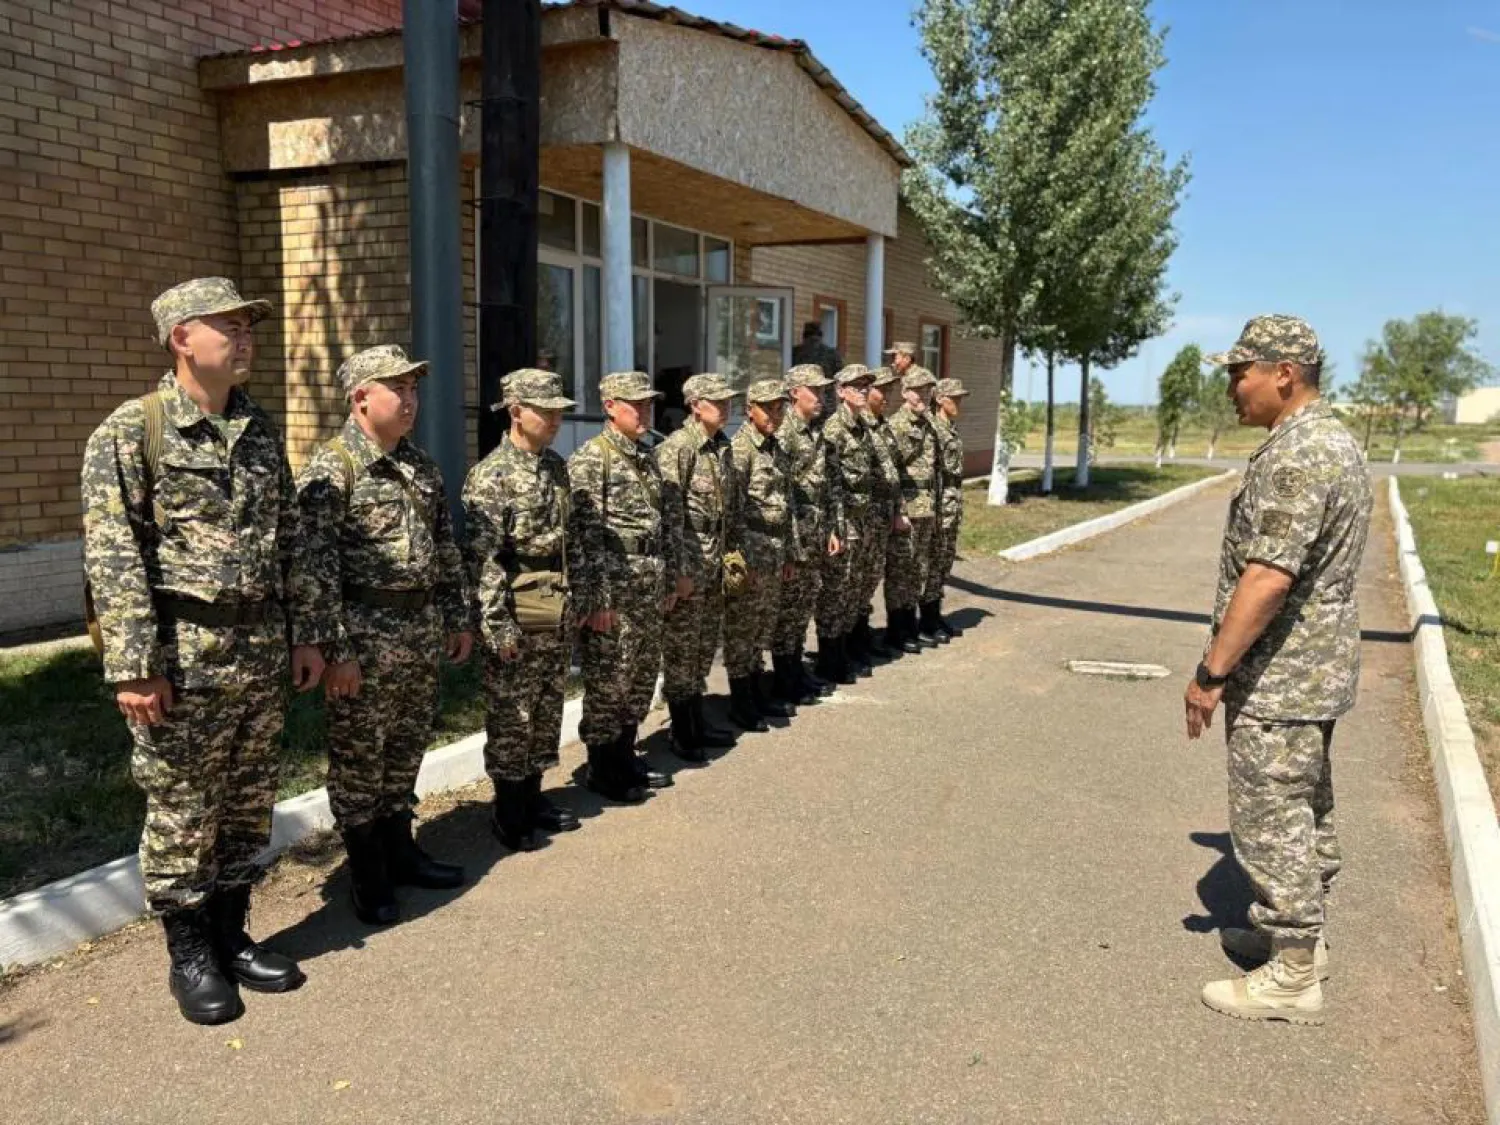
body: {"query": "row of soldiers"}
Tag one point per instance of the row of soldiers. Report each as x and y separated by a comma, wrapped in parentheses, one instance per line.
(211, 569)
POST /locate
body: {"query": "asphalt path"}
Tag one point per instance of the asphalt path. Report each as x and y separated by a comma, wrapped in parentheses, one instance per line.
(975, 888)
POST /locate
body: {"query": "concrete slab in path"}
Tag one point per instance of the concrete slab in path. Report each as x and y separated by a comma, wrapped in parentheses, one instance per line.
(973, 889)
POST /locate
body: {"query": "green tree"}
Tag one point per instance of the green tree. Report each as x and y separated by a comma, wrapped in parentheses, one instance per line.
(1416, 364)
(1176, 391)
(1213, 409)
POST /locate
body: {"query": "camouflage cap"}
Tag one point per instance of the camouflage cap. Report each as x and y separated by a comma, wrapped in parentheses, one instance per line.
(384, 361)
(708, 386)
(950, 388)
(1272, 338)
(203, 296)
(852, 373)
(807, 375)
(627, 386)
(766, 390)
(883, 376)
(916, 378)
(531, 386)
(902, 346)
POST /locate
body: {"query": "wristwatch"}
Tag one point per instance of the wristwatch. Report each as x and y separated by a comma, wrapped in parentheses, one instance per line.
(1206, 679)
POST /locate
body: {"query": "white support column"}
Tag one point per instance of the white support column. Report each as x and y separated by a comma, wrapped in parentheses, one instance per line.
(619, 320)
(874, 299)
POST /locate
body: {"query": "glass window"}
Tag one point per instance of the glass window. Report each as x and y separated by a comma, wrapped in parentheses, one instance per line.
(676, 251)
(638, 254)
(593, 339)
(554, 317)
(555, 221)
(828, 317)
(640, 307)
(716, 259)
(591, 239)
(932, 348)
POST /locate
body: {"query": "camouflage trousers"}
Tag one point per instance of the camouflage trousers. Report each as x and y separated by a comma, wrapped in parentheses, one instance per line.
(209, 772)
(749, 622)
(839, 603)
(799, 598)
(870, 562)
(523, 706)
(1281, 820)
(690, 640)
(620, 666)
(376, 740)
(908, 563)
(944, 553)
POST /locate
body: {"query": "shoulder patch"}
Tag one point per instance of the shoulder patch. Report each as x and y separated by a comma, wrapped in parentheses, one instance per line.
(1289, 482)
(1275, 524)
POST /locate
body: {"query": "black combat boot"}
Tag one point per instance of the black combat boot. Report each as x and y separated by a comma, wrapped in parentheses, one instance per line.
(605, 777)
(369, 884)
(929, 631)
(742, 709)
(686, 743)
(545, 816)
(871, 642)
(765, 703)
(511, 819)
(812, 683)
(856, 653)
(252, 965)
(203, 993)
(407, 864)
(710, 735)
(901, 630)
(833, 660)
(947, 627)
(787, 683)
(637, 763)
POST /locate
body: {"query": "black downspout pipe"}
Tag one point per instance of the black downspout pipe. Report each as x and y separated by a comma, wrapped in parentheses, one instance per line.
(430, 39)
(509, 155)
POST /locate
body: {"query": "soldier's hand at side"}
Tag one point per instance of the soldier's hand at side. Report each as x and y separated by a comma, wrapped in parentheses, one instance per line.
(307, 667)
(342, 681)
(788, 572)
(669, 602)
(835, 546)
(601, 620)
(459, 646)
(1201, 704)
(508, 651)
(144, 701)
(684, 589)
(901, 525)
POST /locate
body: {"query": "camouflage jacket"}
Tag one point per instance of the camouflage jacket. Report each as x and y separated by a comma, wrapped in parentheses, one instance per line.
(218, 524)
(615, 526)
(885, 496)
(515, 504)
(1303, 506)
(917, 459)
(853, 452)
(950, 473)
(388, 528)
(697, 491)
(816, 495)
(822, 354)
(763, 500)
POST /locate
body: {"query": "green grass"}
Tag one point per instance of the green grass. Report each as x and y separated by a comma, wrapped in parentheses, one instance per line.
(1452, 520)
(1029, 514)
(67, 801)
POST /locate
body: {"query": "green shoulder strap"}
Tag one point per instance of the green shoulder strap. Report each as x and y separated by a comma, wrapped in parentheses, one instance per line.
(346, 459)
(156, 420)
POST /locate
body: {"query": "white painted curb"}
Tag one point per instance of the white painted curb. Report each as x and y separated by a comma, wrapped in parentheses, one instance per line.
(1468, 812)
(1078, 532)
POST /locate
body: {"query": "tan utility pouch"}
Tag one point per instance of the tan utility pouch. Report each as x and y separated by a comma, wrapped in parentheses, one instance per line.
(539, 599)
(736, 574)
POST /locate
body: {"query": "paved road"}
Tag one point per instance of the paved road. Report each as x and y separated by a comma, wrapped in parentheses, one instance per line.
(973, 889)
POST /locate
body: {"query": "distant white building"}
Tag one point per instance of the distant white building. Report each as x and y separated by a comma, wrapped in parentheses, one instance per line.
(1475, 408)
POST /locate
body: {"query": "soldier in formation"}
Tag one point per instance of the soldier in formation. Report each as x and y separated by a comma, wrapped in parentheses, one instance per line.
(516, 551)
(194, 557)
(1283, 659)
(381, 554)
(948, 397)
(909, 562)
(887, 519)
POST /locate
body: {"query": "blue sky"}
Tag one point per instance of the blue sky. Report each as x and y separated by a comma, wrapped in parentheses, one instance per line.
(1345, 156)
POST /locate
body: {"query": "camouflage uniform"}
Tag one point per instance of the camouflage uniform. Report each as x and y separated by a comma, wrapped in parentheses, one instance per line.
(619, 543)
(516, 508)
(885, 500)
(197, 576)
(840, 598)
(812, 350)
(950, 493)
(763, 503)
(1303, 507)
(697, 484)
(818, 505)
(909, 561)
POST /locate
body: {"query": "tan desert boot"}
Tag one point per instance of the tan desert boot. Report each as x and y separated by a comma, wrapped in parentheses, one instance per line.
(1255, 945)
(1284, 988)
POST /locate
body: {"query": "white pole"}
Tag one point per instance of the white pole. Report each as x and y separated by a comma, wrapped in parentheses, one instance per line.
(874, 299)
(619, 320)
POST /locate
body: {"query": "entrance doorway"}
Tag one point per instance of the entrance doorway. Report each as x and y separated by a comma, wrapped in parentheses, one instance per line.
(678, 331)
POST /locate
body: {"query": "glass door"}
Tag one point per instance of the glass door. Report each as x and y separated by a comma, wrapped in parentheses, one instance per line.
(749, 334)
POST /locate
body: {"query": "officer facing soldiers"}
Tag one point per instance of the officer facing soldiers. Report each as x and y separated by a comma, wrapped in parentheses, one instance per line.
(1283, 657)
(887, 520)
(903, 355)
(948, 397)
(516, 513)
(696, 486)
(842, 621)
(819, 515)
(764, 518)
(193, 553)
(380, 551)
(618, 577)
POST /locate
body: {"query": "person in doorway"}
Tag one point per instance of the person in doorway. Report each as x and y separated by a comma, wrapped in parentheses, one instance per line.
(381, 551)
(948, 397)
(815, 350)
(193, 553)
(516, 551)
(1283, 659)
(696, 474)
(620, 545)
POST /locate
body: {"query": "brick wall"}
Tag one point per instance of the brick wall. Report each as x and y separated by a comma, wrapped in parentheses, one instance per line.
(111, 190)
(838, 272)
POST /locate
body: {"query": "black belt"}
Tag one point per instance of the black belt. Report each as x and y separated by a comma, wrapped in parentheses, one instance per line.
(766, 527)
(213, 615)
(532, 563)
(647, 546)
(376, 598)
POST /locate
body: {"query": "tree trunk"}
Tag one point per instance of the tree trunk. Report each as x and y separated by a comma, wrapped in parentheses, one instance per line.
(1213, 440)
(1172, 445)
(1400, 433)
(1369, 429)
(999, 493)
(1085, 427)
(1051, 426)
